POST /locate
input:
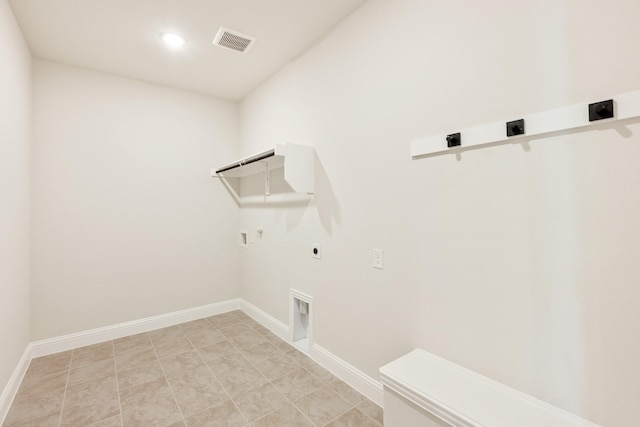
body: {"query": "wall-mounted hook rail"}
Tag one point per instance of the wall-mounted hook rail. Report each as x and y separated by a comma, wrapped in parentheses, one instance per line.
(515, 128)
(620, 107)
(454, 140)
(601, 110)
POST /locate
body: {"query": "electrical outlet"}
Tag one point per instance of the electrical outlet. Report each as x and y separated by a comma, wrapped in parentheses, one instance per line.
(316, 251)
(378, 259)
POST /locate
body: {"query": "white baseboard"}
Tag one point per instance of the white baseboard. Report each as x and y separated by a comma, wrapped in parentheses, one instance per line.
(363, 383)
(11, 389)
(94, 336)
(357, 379)
(266, 320)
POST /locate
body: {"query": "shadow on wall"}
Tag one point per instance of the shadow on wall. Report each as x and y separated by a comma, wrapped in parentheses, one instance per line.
(326, 200)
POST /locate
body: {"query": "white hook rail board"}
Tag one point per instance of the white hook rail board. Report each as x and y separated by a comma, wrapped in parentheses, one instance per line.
(626, 106)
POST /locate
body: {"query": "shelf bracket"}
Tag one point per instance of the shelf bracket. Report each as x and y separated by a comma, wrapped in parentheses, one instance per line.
(267, 180)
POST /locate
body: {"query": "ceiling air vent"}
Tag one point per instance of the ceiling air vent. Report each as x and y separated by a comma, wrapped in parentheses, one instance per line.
(233, 40)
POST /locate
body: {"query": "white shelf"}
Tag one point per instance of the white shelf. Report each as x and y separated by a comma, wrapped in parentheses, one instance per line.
(463, 398)
(298, 162)
(627, 106)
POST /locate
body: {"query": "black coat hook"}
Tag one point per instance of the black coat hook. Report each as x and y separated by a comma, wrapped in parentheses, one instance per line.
(454, 140)
(601, 110)
(515, 127)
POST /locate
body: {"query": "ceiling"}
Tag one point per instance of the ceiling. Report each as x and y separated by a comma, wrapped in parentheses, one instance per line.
(123, 37)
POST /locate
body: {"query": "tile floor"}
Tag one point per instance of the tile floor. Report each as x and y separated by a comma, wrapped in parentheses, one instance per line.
(226, 370)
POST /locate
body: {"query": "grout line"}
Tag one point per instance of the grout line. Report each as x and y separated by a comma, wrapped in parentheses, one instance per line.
(166, 378)
(242, 322)
(115, 364)
(338, 416)
(64, 396)
(223, 388)
(367, 415)
(216, 377)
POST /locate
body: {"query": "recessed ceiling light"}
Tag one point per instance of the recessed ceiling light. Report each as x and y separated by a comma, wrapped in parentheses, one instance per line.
(172, 40)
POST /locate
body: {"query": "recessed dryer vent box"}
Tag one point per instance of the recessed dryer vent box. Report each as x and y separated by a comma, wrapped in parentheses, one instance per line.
(301, 320)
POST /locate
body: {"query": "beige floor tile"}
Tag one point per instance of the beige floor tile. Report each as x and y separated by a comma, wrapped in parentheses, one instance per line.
(353, 397)
(353, 418)
(246, 340)
(137, 343)
(181, 362)
(166, 335)
(180, 346)
(115, 421)
(288, 416)
(104, 388)
(94, 348)
(249, 322)
(206, 337)
(225, 364)
(241, 315)
(322, 406)
(196, 327)
(298, 384)
(39, 406)
(276, 366)
(222, 414)
(177, 424)
(88, 412)
(52, 420)
(92, 371)
(36, 384)
(259, 328)
(298, 356)
(224, 320)
(195, 324)
(80, 360)
(51, 364)
(143, 394)
(281, 345)
(260, 401)
(241, 379)
(272, 338)
(319, 372)
(160, 411)
(213, 352)
(261, 351)
(235, 329)
(196, 389)
(372, 410)
(140, 375)
(338, 385)
(134, 359)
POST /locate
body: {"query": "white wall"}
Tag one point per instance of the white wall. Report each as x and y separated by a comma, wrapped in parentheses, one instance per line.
(15, 150)
(518, 261)
(127, 221)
